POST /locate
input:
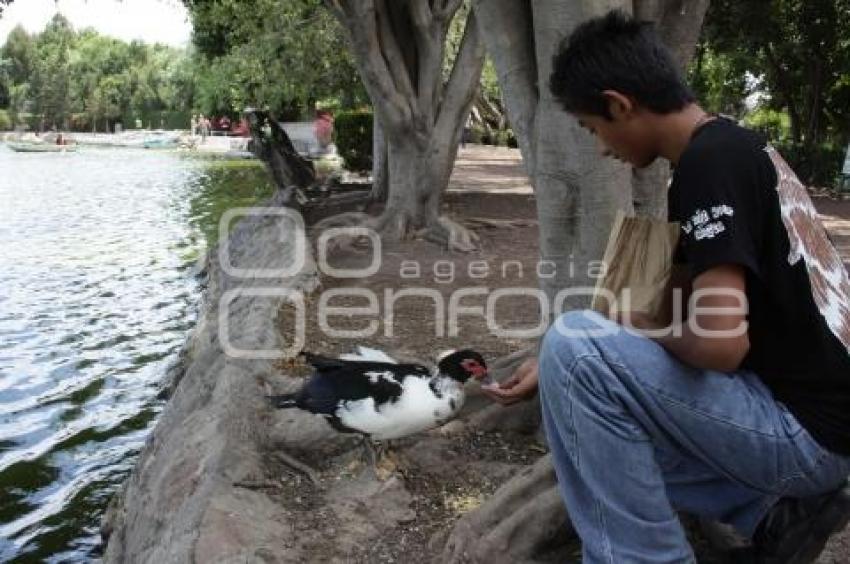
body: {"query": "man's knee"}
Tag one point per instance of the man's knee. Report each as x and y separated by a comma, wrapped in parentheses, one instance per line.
(576, 329)
(570, 337)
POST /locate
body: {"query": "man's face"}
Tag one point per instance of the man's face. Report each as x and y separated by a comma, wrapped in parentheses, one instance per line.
(624, 137)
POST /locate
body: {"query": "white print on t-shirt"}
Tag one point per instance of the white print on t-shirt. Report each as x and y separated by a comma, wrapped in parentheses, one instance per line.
(721, 210)
(709, 230)
(808, 241)
(700, 222)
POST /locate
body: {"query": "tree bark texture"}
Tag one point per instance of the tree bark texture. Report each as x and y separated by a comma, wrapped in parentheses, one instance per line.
(577, 191)
(399, 49)
(271, 144)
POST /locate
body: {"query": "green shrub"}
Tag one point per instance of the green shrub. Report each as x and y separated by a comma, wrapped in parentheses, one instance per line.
(5, 121)
(816, 165)
(167, 119)
(512, 140)
(353, 138)
(476, 134)
(502, 137)
(774, 125)
(29, 121)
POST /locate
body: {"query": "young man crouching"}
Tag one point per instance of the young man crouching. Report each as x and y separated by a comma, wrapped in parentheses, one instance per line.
(744, 417)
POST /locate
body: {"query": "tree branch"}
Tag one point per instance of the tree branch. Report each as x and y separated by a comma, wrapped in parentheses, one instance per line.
(679, 23)
(358, 17)
(336, 9)
(463, 82)
(507, 29)
(430, 36)
(391, 51)
(448, 10)
(420, 13)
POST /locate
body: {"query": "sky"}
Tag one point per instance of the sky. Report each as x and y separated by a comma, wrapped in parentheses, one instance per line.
(152, 21)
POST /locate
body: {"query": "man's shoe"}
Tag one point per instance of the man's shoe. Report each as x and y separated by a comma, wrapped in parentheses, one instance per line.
(795, 531)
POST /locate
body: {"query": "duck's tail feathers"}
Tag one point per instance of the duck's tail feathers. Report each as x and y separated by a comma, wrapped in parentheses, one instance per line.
(367, 354)
(320, 362)
(284, 401)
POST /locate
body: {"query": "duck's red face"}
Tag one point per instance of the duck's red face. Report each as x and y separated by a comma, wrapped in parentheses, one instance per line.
(474, 368)
(463, 365)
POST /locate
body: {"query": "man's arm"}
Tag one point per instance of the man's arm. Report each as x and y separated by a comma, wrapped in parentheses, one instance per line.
(714, 334)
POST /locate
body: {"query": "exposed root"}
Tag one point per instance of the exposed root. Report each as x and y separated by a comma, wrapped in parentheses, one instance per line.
(399, 226)
(347, 242)
(347, 219)
(296, 464)
(523, 519)
(257, 484)
(451, 234)
(489, 223)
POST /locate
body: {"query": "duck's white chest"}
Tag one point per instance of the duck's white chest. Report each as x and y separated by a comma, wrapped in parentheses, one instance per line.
(419, 408)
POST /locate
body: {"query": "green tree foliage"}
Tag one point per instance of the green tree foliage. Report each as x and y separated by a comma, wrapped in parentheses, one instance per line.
(719, 79)
(19, 52)
(87, 80)
(353, 136)
(800, 52)
(51, 80)
(489, 101)
(280, 54)
(796, 55)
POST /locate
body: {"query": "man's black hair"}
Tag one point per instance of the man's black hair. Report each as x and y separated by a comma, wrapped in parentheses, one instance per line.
(616, 52)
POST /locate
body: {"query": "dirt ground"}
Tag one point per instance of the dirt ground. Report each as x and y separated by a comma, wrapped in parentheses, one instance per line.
(446, 475)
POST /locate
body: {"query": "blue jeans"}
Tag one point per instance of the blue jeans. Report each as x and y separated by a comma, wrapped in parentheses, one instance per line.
(635, 434)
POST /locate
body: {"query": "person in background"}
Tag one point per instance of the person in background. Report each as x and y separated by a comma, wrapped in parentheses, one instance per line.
(204, 126)
(193, 124)
(324, 128)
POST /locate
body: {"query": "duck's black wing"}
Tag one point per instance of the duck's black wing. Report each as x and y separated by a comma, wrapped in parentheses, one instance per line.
(322, 363)
(336, 381)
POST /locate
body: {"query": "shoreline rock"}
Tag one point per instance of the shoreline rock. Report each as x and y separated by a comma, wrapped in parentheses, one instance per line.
(179, 503)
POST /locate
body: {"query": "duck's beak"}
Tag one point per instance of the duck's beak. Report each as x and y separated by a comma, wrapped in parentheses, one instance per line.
(486, 380)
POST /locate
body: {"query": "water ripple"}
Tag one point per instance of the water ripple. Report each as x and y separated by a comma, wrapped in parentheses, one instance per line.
(96, 297)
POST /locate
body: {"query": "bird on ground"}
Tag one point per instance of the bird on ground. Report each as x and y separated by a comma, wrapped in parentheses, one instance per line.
(370, 393)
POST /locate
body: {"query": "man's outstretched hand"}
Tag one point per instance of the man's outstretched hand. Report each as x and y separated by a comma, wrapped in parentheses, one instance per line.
(521, 386)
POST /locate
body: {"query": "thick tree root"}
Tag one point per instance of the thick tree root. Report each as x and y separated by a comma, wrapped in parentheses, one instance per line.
(342, 220)
(442, 231)
(489, 223)
(451, 234)
(525, 517)
(523, 520)
(302, 467)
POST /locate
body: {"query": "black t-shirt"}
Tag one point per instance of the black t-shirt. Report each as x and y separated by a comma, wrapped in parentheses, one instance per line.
(738, 202)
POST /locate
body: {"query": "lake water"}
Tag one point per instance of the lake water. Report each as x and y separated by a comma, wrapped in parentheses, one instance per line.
(97, 292)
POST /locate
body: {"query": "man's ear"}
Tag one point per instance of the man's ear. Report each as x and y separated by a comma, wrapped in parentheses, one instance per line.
(620, 107)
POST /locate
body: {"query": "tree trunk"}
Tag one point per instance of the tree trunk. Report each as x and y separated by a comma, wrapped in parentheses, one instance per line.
(271, 144)
(570, 180)
(814, 104)
(786, 93)
(380, 170)
(411, 203)
(578, 193)
(399, 50)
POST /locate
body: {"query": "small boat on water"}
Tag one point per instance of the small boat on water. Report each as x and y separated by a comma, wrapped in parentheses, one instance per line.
(22, 147)
(161, 140)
